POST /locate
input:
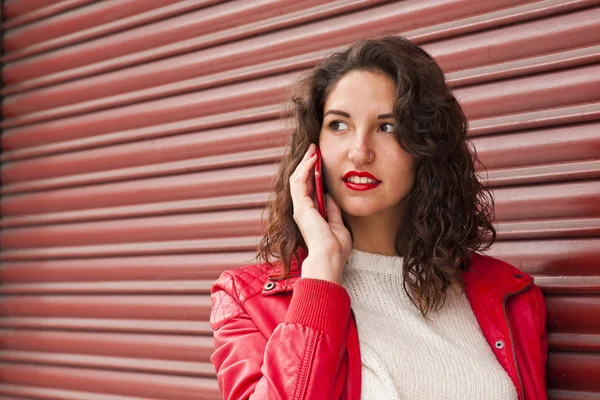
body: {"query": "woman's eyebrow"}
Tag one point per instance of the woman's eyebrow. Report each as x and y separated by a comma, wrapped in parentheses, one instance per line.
(345, 114)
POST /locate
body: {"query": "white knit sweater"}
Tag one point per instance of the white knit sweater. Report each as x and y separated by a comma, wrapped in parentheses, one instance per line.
(406, 357)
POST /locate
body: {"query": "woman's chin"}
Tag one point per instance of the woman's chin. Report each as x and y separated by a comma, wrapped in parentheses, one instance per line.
(362, 209)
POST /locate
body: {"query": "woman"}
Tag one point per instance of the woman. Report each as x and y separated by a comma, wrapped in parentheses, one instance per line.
(430, 318)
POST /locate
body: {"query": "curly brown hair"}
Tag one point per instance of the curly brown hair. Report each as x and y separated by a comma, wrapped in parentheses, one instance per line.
(449, 211)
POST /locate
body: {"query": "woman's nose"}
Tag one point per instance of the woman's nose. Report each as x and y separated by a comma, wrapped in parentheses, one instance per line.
(360, 155)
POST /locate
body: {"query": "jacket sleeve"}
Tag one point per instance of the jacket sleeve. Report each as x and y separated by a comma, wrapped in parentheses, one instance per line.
(298, 361)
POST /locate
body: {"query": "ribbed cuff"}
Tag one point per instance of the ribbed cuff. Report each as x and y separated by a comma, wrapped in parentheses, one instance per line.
(319, 304)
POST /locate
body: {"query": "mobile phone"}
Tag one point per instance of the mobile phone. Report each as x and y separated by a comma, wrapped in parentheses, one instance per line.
(319, 185)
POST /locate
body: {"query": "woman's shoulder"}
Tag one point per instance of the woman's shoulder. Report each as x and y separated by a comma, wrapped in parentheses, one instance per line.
(492, 276)
(495, 275)
(252, 277)
(495, 267)
(247, 278)
(233, 287)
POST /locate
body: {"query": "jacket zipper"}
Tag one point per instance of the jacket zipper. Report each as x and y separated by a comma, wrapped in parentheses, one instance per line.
(510, 335)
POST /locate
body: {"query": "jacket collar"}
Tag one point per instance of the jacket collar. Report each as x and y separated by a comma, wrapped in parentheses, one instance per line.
(493, 278)
(486, 276)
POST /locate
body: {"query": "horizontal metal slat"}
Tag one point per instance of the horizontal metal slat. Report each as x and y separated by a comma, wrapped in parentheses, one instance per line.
(566, 114)
(144, 385)
(574, 313)
(82, 25)
(556, 257)
(191, 348)
(157, 268)
(572, 326)
(43, 12)
(109, 288)
(212, 40)
(551, 284)
(108, 325)
(244, 73)
(181, 368)
(554, 89)
(132, 249)
(179, 168)
(574, 371)
(90, 104)
(554, 172)
(548, 201)
(511, 69)
(569, 284)
(231, 98)
(228, 224)
(55, 394)
(17, 8)
(554, 394)
(575, 204)
(319, 36)
(478, 127)
(153, 307)
(206, 184)
(546, 35)
(13, 398)
(574, 142)
(540, 156)
(210, 163)
(219, 224)
(569, 87)
(17, 40)
(220, 120)
(574, 342)
(528, 66)
(141, 37)
(571, 199)
(555, 228)
(569, 171)
(235, 202)
(208, 143)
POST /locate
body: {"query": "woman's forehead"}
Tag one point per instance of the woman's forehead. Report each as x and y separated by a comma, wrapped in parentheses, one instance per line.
(358, 91)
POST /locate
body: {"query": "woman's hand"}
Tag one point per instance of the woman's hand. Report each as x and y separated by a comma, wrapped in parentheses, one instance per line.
(329, 242)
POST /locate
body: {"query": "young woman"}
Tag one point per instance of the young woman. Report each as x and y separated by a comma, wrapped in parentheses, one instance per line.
(387, 298)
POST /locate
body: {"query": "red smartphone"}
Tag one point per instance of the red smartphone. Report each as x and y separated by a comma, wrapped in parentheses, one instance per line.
(319, 185)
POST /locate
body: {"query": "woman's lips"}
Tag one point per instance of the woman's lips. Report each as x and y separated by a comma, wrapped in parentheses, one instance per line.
(360, 174)
(361, 186)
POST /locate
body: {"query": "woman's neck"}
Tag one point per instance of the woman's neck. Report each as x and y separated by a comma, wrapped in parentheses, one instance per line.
(376, 233)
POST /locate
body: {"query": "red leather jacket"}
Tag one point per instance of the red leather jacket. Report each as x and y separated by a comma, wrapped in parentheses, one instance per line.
(296, 338)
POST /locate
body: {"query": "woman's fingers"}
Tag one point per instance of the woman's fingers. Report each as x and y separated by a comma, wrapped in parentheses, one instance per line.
(334, 213)
(320, 237)
(301, 184)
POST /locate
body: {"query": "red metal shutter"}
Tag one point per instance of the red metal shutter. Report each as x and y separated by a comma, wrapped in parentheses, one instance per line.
(140, 138)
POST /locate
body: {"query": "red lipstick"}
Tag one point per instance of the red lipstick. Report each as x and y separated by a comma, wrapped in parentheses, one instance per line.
(360, 186)
(360, 174)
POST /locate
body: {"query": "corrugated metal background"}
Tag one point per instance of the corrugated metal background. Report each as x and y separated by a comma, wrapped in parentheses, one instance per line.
(139, 141)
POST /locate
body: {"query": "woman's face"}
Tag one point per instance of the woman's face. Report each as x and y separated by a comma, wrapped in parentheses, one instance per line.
(357, 135)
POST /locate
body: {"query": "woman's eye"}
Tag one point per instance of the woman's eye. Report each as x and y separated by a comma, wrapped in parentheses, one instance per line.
(340, 125)
(389, 128)
(337, 125)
